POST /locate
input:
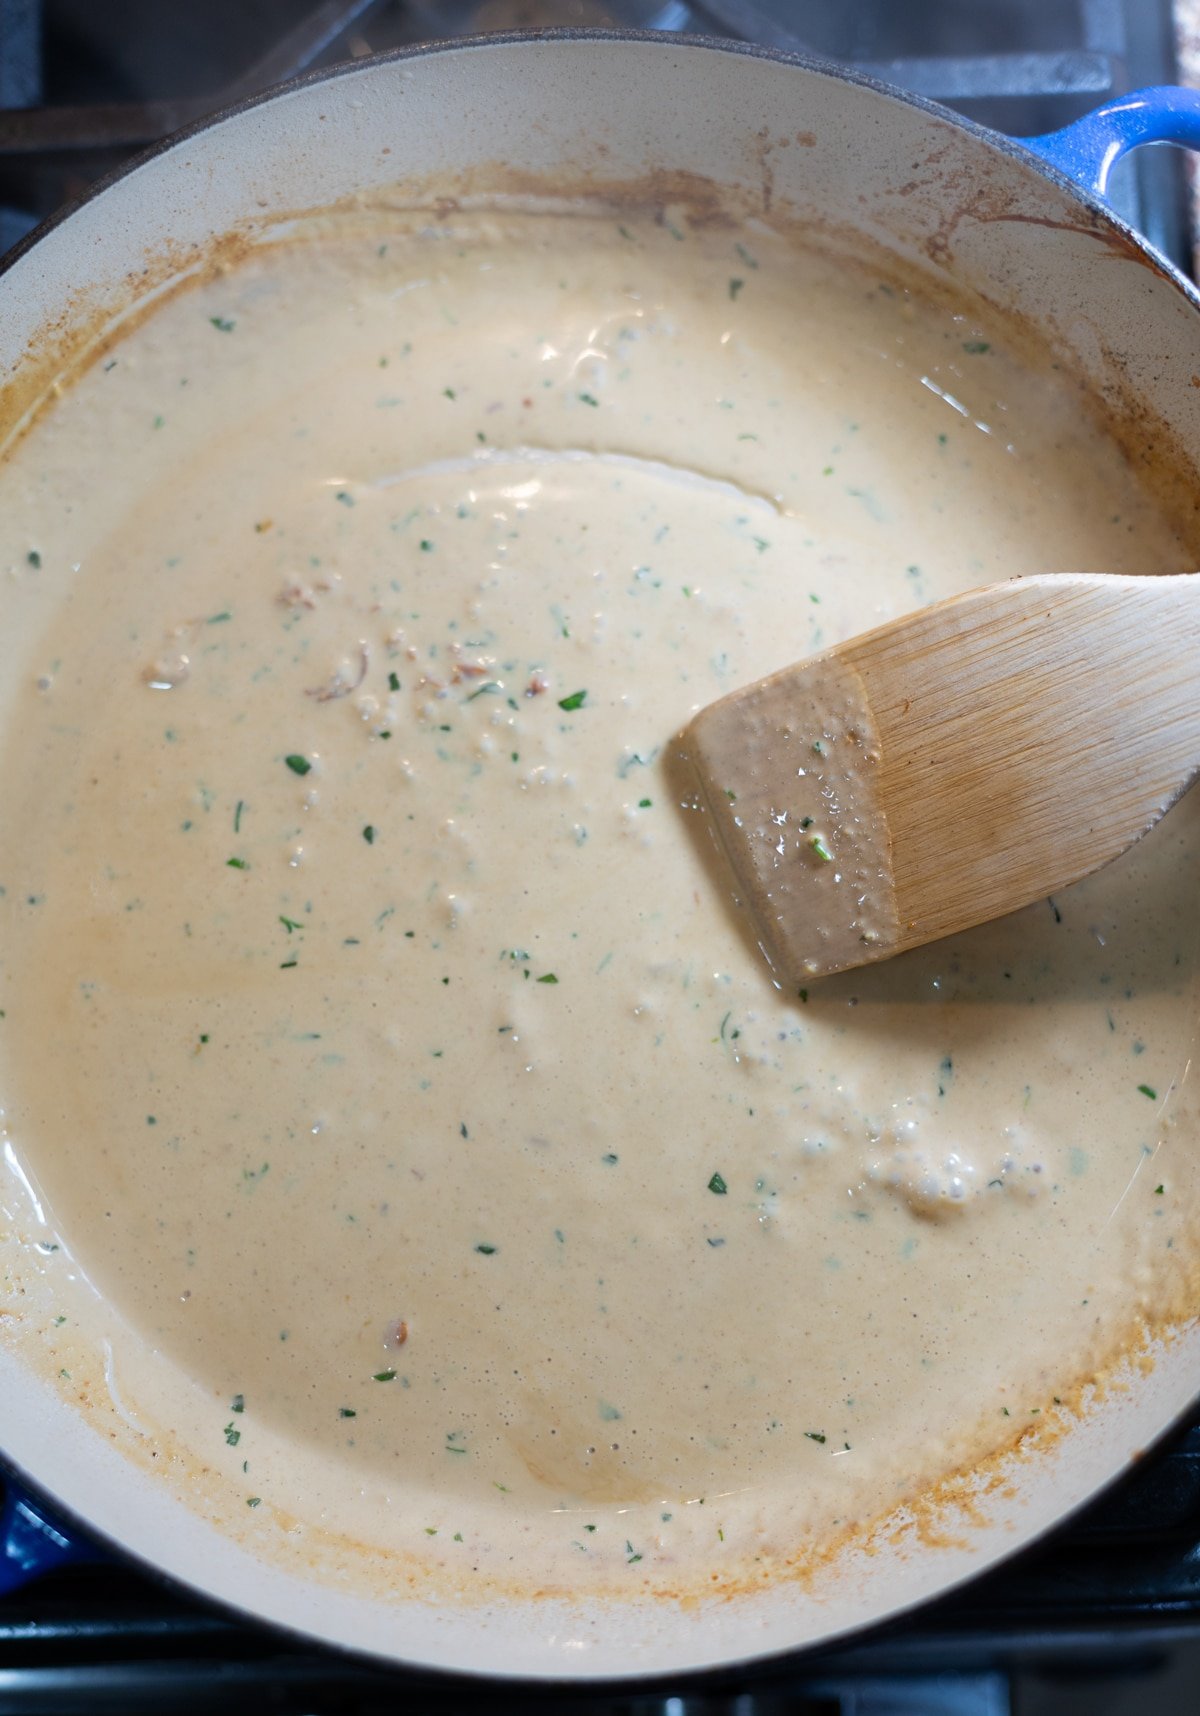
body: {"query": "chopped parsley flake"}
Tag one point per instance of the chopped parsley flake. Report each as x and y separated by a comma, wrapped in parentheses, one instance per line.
(369, 835)
(548, 978)
(819, 847)
(299, 765)
(717, 1184)
(223, 324)
(232, 1435)
(575, 701)
(384, 1376)
(1148, 1090)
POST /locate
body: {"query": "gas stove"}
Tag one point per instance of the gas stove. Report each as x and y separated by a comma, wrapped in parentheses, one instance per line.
(1117, 1590)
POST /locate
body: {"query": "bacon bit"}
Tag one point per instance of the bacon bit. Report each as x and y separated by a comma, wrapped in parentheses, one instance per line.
(469, 670)
(537, 684)
(528, 404)
(339, 685)
(397, 1333)
(296, 596)
(264, 524)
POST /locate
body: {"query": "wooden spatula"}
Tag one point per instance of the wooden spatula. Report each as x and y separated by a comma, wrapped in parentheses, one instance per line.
(954, 765)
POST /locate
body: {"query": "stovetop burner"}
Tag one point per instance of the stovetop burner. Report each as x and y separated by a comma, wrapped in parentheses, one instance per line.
(81, 88)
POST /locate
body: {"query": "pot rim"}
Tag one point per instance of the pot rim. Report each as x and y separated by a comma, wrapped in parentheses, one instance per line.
(1016, 148)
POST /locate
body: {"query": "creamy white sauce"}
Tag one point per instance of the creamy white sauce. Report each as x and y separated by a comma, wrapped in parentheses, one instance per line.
(376, 1033)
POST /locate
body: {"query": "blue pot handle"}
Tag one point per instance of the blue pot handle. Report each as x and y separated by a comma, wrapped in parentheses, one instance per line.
(32, 1543)
(1089, 150)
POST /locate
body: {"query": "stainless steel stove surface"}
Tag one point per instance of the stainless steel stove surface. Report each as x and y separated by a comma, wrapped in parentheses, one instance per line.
(1114, 1593)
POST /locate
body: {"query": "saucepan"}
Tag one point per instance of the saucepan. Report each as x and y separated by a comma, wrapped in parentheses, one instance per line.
(1023, 225)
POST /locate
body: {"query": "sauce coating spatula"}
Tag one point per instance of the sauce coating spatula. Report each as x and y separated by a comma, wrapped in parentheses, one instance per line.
(953, 765)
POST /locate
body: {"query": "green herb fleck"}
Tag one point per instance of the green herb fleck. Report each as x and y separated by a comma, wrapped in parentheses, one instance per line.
(717, 1184)
(253, 1501)
(1158, 1191)
(575, 701)
(238, 1403)
(34, 559)
(232, 1436)
(588, 399)
(1148, 1090)
(384, 1376)
(393, 682)
(299, 765)
(347, 1412)
(819, 847)
(369, 835)
(548, 978)
(816, 1436)
(237, 816)
(486, 1250)
(236, 864)
(223, 324)
(976, 347)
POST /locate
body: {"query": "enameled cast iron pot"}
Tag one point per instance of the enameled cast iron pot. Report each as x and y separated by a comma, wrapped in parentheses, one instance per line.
(1025, 225)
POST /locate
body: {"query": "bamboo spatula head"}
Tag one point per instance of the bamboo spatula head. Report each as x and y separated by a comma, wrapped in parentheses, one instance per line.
(954, 765)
